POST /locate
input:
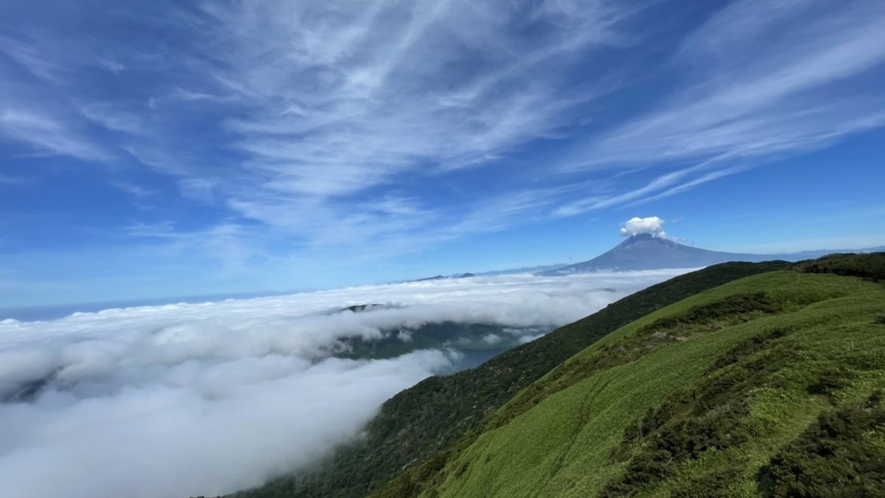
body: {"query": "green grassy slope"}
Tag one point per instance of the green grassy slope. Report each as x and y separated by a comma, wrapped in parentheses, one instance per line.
(766, 386)
(421, 421)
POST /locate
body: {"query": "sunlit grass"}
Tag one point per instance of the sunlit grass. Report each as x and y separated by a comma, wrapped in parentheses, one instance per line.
(565, 435)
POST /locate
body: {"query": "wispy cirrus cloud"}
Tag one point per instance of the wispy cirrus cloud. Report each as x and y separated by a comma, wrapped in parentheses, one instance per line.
(46, 134)
(113, 118)
(344, 96)
(31, 113)
(343, 130)
(231, 246)
(32, 56)
(764, 80)
(330, 114)
(339, 109)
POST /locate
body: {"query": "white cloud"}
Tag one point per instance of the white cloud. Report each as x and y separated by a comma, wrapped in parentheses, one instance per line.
(752, 102)
(46, 134)
(33, 56)
(312, 116)
(189, 399)
(113, 119)
(761, 80)
(37, 68)
(636, 226)
(342, 97)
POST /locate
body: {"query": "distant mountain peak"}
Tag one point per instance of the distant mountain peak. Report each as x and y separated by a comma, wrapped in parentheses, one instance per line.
(650, 251)
(647, 251)
(644, 236)
(647, 238)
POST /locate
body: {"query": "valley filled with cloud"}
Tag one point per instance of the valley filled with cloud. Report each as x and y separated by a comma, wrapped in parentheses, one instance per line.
(191, 399)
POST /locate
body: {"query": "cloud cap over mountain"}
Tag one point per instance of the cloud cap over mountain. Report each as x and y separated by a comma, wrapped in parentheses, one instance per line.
(650, 225)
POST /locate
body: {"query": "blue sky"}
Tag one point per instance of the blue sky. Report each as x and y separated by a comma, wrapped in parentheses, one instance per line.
(154, 149)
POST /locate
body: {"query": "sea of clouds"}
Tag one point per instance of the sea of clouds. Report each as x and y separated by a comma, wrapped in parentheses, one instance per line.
(204, 399)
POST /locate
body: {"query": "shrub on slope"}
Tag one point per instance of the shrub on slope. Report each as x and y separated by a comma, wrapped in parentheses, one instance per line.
(841, 454)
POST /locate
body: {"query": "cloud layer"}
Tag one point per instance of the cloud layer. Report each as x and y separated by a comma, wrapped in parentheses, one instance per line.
(190, 399)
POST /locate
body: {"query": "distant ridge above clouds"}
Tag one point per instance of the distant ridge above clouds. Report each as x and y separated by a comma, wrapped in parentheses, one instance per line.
(536, 270)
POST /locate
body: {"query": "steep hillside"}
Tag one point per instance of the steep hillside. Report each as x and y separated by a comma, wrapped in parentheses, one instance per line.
(767, 386)
(423, 420)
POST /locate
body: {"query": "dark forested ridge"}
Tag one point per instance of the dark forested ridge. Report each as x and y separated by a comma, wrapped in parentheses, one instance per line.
(421, 421)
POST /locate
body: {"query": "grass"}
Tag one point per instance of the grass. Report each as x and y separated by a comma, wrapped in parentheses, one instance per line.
(695, 399)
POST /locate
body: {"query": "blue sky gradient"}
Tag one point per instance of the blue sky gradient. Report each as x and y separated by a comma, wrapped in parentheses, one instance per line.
(155, 149)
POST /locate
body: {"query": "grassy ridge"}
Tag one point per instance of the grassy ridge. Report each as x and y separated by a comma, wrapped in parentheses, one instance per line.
(418, 423)
(723, 394)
